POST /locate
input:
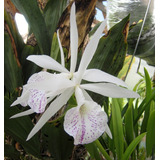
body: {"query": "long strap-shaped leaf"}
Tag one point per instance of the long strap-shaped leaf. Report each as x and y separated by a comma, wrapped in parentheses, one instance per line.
(132, 146)
(36, 21)
(118, 137)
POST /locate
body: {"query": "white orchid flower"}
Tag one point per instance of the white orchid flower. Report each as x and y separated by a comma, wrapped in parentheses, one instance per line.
(87, 121)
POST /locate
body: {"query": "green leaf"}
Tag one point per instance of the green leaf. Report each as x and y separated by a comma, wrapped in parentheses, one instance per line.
(123, 71)
(118, 137)
(12, 71)
(36, 21)
(102, 150)
(13, 31)
(52, 14)
(144, 104)
(56, 140)
(19, 129)
(112, 49)
(55, 47)
(28, 67)
(132, 146)
(129, 124)
(148, 95)
(150, 137)
(148, 84)
(92, 149)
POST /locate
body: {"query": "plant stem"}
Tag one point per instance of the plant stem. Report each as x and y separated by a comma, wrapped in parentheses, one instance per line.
(102, 150)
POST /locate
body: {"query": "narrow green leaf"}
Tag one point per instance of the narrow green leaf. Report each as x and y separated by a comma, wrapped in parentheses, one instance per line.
(118, 137)
(52, 14)
(150, 136)
(132, 146)
(36, 21)
(19, 129)
(148, 84)
(143, 106)
(12, 72)
(124, 110)
(135, 115)
(111, 144)
(148, 95)
(92, 149)
(102, 150)
(129, 124)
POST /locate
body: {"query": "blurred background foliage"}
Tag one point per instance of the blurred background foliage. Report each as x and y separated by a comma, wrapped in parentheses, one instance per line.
(132, 121)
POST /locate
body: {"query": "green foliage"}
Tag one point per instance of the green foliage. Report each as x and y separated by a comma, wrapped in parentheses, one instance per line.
(93, 151)
(56, 140)
(12, 76)
(150, 137)
(36, 21)
(118, 137)
(52, 14)
(19, 129)
(108, 57)
(132, 146)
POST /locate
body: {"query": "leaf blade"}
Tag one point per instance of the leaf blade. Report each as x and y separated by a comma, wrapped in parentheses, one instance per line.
(117, 128)
(37, 23)
(132, 146)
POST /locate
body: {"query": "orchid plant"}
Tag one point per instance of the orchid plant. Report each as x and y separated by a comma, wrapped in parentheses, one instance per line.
(87, 121)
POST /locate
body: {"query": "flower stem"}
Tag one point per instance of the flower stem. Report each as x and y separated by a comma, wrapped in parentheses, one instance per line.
(102, 150)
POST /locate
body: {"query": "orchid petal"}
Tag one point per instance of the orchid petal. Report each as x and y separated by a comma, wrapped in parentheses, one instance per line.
(54, 84)
(73, 38)
(86, 95)
(96, 75)
(21, 100)
(110, 90)
(51, 110)
(90, 49)
(37, 100)
(61, 50)
(108, 131)
(40, 76)
(47, 62)
(28, 112)
(85, 123)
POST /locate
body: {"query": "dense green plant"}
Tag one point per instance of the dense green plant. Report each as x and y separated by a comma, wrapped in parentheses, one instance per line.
(131, 121)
